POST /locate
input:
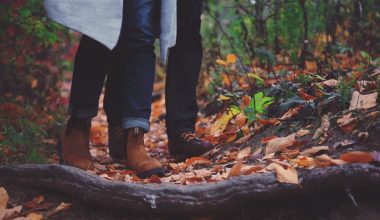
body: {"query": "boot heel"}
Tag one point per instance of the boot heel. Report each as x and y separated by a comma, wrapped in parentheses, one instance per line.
(59, 152)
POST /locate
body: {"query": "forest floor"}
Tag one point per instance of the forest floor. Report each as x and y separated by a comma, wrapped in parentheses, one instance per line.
(304, 120)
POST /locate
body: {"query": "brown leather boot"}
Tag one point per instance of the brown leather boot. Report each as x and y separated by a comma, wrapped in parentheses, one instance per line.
(73, 146)
(137, 157)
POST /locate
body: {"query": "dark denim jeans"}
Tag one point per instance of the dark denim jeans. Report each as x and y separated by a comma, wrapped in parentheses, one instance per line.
(132, 63)
(182, 77)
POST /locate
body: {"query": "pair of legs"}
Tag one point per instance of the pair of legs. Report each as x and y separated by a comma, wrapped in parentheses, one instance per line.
(130, 67)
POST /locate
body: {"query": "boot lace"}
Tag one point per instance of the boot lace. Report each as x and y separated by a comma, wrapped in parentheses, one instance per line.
(188, 136)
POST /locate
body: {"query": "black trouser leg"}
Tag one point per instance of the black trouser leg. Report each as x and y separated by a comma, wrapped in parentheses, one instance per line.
(183, 70)
(90, 68)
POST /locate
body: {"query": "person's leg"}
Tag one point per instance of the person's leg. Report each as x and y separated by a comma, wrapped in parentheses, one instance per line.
(182, 77)
(137, 72)
(90, 66)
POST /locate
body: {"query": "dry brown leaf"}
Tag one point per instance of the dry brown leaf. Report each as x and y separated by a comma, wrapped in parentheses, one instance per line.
(289, 175)
(304, 161)
(241, 120)
(314, 150)
(220, 125)
(330, 83)
(30, 216)
(279, 144)
(244, 153)
(272, 121)
(197, 160)
(325, 160)
(60, 208)
(359, 101)
(243, 139)
(291, 113)
(357, 157)
(251, 169)
(347, 124)
(4, 212)
(235, 170)
(301, 133)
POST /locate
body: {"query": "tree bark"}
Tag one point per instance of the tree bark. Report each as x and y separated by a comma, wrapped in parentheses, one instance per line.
(174, 199)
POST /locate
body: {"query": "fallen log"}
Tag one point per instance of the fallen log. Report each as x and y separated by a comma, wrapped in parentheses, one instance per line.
(171, 198)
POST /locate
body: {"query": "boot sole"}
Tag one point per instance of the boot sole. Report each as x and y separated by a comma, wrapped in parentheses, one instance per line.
(147, 174)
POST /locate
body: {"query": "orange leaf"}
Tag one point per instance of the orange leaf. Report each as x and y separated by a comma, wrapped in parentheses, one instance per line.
(231, 58)
(154, 179)
(241, 120)
(197, 160)
(306, 96)
(272, 121)
(235, 170)
(291, 113)
(357, 157)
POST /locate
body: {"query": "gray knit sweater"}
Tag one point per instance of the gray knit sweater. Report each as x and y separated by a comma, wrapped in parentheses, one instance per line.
(101, 19)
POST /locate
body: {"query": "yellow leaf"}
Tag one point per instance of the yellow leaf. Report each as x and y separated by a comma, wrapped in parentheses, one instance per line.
(255, 76)
(223, 98)
(231, 58)
(220, 125)
(221, 62)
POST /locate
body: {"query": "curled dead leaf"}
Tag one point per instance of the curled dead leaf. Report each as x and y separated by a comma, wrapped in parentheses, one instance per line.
(289, 175)
(279, 144)
(244, 153)
(60, 208)
(235, 170)
(359, 101)
(314, 150)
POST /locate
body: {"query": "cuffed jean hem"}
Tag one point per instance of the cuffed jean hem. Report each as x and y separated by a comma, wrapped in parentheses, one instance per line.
(136, 123)
(82, 113)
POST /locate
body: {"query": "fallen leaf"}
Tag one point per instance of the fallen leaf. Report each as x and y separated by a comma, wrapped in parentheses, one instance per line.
(60, 208)
(235, 170)
(289, 175)
(4, 212)
(241, 120)
(347, 124)
(272, 121)
(363, 136)
(357, 157)
(304, 161)
(306, 96)
(220, 125)
(243, 139)
(314, 150)
(325, 160)
(197, 160)
(251, 169)
(291, 113)
(279, 144)
(301, 133)
(244, 153)
(359, 101)
(330, 83)
(154, 179)
(267, 139)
